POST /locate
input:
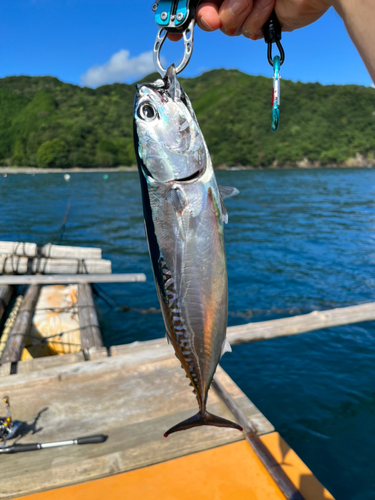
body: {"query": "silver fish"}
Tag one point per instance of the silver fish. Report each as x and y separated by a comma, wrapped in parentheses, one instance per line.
(184, 213)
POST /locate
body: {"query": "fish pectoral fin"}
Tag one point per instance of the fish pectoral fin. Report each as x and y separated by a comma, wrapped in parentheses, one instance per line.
(176, 198)
(227, 192)
(226, 347)
(199, 420)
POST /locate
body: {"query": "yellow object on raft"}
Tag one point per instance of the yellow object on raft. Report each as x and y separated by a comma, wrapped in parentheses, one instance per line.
(55, 325)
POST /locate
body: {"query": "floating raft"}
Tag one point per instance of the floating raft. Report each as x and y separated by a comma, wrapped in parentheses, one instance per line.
(133, 396)
(63, 384)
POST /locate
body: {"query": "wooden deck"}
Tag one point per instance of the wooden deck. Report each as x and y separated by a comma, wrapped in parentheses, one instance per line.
(132, 396)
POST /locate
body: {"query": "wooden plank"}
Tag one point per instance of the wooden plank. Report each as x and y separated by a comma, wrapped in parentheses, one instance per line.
(72, 279)
(5, 295)
(263, 330)
(88, 318)
(53, 251)
(16, 340)
(28, 265)
(133, 398)
(316, 320)
(9, 323)
(32, 365)
(5, 369)
(95, 353)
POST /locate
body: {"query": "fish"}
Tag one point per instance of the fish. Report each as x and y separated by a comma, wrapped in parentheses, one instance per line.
(184, 214)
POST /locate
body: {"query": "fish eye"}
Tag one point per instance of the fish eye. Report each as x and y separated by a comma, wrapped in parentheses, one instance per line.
(147, 112)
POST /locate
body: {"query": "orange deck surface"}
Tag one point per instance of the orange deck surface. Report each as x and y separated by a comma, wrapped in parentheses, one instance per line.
(230, 472)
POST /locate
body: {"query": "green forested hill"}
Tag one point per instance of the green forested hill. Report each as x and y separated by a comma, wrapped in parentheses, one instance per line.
(47, 123)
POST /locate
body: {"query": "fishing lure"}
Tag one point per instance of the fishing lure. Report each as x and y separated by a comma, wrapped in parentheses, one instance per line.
(272, 34)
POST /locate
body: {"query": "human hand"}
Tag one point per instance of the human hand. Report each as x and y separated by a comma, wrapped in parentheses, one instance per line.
(247, 17)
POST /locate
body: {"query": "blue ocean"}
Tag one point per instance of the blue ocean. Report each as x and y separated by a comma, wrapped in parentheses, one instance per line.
(297, 241)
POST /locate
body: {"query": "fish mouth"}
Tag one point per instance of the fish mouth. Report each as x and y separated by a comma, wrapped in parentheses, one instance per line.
(191, 177)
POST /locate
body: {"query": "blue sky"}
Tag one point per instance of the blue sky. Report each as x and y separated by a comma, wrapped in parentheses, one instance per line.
(67, 38)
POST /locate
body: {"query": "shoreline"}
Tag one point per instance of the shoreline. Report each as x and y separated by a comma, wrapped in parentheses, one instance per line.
(4, 171)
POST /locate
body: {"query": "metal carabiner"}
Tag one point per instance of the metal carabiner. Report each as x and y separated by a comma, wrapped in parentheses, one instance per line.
(178, 17)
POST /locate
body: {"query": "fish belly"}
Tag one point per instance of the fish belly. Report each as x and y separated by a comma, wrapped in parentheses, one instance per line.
(195, 295)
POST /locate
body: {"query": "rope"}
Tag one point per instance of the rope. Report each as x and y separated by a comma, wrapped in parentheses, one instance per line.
(60, 232)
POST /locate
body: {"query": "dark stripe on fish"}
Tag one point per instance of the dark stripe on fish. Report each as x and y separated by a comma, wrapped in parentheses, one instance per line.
(147, 213)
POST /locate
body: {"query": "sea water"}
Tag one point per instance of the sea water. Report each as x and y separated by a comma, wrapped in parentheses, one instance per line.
(297, 241)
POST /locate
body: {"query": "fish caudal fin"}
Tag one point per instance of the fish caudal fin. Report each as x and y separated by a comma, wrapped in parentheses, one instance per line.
(206, 419)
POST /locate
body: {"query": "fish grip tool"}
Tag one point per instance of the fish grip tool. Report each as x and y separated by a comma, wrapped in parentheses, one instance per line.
(272, 34)
(176, 17)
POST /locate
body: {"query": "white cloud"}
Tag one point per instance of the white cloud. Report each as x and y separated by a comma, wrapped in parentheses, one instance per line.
(119, 68)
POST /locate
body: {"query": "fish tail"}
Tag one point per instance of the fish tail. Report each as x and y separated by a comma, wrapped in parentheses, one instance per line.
(205, 419)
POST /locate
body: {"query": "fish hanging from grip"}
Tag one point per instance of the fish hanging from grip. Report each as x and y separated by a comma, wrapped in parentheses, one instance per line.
(184, 216)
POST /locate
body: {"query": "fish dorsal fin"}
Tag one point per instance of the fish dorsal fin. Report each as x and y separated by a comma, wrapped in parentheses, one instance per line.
(227, 192)
(225, 347)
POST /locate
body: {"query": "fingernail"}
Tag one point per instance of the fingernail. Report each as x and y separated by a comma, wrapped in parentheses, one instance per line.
(205, 24)
(257, 35)
(236, 7)
(233, 32)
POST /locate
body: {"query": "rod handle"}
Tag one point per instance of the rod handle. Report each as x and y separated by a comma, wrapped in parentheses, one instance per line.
(99, 438)
(17, 448)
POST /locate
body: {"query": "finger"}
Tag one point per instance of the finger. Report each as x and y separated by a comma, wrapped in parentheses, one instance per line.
(208, 15)
(233, 13)
(207, 18)
(174, 37)
(253, 26)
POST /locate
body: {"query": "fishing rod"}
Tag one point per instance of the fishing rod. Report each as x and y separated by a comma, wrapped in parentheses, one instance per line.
(19, 448)
(9, 428)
